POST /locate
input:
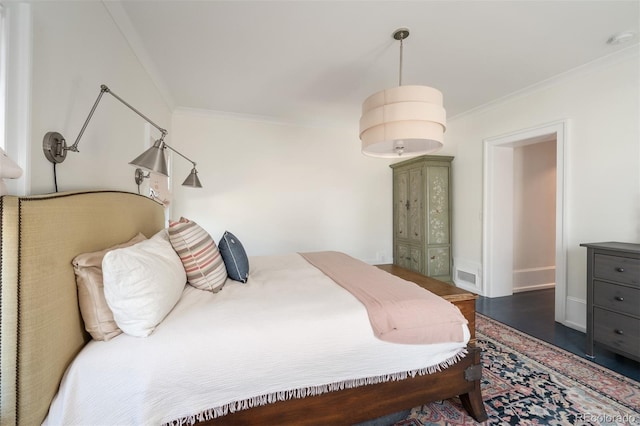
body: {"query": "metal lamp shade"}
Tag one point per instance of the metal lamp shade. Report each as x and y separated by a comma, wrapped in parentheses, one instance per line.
(192, 180)
(153, 159)
(402, 121)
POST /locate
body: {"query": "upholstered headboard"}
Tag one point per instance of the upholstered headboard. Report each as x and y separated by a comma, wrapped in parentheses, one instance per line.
(41, 329)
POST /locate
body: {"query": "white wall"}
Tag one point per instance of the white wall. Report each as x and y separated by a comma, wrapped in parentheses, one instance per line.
(281, 188)
(77, 47)
(602, 197)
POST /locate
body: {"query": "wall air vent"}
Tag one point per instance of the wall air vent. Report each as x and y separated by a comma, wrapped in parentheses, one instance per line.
(466, 276)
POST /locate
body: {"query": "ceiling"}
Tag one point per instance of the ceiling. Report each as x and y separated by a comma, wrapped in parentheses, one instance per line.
(314, 62)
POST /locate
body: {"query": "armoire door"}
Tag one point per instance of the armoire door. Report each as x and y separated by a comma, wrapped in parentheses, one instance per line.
(438, 226)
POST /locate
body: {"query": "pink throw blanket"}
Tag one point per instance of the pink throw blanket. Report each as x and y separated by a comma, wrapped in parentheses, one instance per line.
(399, 311)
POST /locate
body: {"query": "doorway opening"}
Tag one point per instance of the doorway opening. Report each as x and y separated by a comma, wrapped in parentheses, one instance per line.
(515, 254)
(534, 214)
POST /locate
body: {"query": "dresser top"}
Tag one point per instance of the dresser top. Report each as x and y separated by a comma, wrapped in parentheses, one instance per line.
(615, 246)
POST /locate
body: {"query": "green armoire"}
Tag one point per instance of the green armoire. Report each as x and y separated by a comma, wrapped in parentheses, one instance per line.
(422, 215)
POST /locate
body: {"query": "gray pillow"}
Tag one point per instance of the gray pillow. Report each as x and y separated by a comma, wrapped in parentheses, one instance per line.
(234, 257)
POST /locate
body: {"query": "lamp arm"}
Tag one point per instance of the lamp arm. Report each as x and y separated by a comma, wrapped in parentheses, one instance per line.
(74, 147)
(104, 89)
(180, 154)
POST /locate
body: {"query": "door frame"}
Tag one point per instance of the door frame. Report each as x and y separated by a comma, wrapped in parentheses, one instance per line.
(497, 215)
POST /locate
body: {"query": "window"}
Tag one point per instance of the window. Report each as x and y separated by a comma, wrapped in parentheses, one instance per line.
(3, 73)
(15, 87)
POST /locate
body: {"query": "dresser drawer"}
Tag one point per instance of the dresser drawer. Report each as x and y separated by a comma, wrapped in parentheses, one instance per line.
(617, 298)
(615, 268)
(620, 332)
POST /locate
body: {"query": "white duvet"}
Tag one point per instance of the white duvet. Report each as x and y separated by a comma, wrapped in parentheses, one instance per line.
(289, 331)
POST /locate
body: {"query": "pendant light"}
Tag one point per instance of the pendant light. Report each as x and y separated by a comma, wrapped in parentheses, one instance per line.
(402, 121)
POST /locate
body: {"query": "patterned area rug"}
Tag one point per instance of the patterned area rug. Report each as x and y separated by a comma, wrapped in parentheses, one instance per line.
(530, 382)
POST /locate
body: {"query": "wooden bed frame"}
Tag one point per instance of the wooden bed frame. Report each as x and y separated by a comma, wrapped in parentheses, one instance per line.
(41, 329)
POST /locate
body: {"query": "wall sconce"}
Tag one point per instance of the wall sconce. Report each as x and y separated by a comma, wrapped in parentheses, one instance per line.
(152, 160)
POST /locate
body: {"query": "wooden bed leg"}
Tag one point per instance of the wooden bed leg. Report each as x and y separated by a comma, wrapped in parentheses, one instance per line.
(472, 401)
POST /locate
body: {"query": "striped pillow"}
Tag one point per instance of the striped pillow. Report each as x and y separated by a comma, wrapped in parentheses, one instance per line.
(199, 255)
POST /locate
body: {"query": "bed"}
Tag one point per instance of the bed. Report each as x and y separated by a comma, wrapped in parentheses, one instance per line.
(42, 331)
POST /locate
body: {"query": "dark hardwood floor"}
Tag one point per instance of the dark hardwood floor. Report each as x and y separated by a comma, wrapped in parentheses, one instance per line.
(533, 313)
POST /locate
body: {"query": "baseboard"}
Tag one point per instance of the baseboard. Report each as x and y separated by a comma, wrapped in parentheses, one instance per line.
(534, 278)
(576, 314)
(534, 287)
(468, 287)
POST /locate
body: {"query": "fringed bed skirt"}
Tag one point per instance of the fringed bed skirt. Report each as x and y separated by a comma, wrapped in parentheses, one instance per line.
(261, 400)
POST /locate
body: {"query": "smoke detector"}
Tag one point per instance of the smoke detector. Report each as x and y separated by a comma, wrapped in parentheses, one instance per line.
(621, 38)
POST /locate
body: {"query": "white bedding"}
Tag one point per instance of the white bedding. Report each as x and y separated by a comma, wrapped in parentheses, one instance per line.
(283, 334)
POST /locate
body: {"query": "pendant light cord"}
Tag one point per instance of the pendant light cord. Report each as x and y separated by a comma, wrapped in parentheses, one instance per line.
(401, 46)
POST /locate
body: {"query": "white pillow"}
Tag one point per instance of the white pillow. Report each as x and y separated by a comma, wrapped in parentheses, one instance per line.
(142, 283)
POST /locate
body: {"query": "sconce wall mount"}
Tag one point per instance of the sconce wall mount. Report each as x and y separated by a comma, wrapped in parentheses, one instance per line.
(55, 147)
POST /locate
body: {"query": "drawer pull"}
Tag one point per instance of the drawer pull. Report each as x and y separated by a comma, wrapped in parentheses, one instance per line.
(619, 332)
(620, 269)
(619, 298)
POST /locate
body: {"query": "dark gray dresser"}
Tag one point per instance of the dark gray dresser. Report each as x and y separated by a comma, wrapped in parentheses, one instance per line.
(613, 297)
